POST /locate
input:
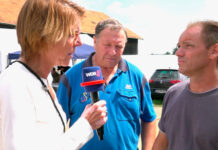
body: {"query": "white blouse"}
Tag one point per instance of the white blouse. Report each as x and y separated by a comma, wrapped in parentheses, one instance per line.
(28, 118)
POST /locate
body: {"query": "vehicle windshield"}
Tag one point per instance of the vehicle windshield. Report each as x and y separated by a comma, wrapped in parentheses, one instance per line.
(169, 74)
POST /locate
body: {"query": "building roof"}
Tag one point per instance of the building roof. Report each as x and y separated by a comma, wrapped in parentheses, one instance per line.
(91, 18)
(9, 10)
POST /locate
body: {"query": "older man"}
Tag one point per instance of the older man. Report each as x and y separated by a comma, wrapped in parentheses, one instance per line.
(129, 104)
(189, 118)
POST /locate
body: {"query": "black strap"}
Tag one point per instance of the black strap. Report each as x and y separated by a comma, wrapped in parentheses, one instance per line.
(44, 87)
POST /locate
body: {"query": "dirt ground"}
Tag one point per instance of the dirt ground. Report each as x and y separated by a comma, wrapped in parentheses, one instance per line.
(158, 110)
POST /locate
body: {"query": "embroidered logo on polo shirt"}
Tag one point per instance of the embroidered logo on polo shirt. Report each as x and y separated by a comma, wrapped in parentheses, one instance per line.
(128, 86)
(84, 97)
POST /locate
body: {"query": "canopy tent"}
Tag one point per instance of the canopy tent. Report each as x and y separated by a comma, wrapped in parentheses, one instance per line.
(81, 52)
(14, 55)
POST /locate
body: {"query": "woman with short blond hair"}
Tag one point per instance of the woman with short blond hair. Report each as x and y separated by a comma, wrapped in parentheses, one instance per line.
(30, 115)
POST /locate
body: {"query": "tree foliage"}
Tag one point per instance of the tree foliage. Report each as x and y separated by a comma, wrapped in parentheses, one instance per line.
(174, 50)
(167, 53)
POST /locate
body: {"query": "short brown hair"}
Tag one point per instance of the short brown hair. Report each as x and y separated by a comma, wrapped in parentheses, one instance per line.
(43, 22)
(209, 31)
(113, 24)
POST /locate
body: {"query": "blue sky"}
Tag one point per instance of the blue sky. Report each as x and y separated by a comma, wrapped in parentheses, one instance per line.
(158, 22)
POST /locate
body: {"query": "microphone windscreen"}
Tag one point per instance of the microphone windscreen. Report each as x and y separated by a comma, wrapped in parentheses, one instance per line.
(92, 79)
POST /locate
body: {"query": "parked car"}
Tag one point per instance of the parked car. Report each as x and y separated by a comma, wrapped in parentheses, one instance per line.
(162, 79)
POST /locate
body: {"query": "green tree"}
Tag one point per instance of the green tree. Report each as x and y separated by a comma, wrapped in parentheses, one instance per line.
(167, 53)
(174, 50)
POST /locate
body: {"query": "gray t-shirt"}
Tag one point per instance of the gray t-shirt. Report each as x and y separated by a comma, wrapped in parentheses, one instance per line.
(190, 120)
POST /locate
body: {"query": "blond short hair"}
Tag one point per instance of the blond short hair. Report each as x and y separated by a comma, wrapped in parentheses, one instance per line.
(44, 22)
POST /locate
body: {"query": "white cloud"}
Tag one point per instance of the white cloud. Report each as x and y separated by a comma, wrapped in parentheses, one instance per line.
(157, 25)
(210, 10)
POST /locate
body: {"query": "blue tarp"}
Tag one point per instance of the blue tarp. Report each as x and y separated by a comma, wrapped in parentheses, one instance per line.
(81, 52)
(14, 55)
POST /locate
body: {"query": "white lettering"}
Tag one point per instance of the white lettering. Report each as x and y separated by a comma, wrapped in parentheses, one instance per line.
(90, 74)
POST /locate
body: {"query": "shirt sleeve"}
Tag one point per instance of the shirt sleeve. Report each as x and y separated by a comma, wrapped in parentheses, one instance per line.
(148, 113)
(77, 135)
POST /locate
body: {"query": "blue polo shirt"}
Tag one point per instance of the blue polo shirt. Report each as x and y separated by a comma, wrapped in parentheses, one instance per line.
(128, 100)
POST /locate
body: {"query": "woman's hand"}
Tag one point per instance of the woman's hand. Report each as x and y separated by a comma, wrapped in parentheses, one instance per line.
(96, 114)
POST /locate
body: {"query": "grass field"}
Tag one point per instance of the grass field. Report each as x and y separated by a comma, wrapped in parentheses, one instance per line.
(157, 102)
